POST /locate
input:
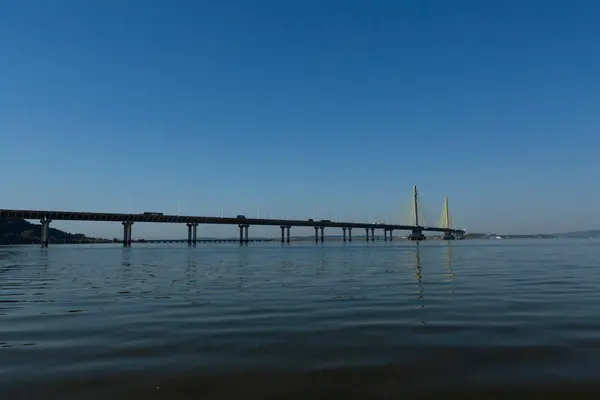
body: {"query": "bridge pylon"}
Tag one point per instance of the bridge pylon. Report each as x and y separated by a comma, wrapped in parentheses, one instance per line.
(417, 232)
(446, 221)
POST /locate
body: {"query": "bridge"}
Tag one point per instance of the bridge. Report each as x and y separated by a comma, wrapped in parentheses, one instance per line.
(230, 240)
(127, 219)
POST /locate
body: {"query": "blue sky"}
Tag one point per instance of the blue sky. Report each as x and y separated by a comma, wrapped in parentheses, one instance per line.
(325, 107)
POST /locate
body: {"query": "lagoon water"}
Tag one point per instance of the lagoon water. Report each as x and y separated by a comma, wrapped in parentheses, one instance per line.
(377, 320)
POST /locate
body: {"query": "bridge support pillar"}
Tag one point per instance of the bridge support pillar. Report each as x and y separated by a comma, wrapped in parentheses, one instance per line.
(282, 234)
(349, 234)
(391, 234)
(246, 233)
(289, 228)
(241, 234)
(45, 231)
(367, 233)
(316, 234)
(322, 234)
(385, 235)
(344, 231)
(127, 233)
(372, 234)
(448, 235)
(416, 235)
(189, 239)
(194, 233)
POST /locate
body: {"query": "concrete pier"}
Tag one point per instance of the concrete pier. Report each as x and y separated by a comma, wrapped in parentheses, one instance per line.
(391, 234)
(241, 234)
(45, 239)
(385, 235)
(448, 236)
(372, 234)
(322, 234)
(344, 230)
(349, 234)
(194, 233)
(367, 233)
(282, 234)
(246, 233)
(316, 234)
(127, 225)
(189, 239)
(416, 235)
(129, 233)
(289, 228)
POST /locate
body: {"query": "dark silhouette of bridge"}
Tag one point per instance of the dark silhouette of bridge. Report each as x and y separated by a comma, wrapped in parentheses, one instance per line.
(227, 240)
(243, 223)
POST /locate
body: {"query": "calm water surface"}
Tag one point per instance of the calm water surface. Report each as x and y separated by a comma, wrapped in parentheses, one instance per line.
(300, 321)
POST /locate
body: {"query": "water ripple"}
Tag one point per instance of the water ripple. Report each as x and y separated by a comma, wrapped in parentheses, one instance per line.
(104, 321)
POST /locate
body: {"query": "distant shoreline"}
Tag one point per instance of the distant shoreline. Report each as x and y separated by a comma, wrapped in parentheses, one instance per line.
(17, 231)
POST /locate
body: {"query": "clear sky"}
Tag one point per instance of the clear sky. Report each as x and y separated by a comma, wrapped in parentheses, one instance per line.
(298, 107)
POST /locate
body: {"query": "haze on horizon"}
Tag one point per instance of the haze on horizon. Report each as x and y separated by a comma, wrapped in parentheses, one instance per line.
(318, 107)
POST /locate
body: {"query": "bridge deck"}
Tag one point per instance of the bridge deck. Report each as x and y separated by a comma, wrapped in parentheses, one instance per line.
(122, 217)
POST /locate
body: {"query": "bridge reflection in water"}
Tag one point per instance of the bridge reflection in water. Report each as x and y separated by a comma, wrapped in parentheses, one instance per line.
(416, 264)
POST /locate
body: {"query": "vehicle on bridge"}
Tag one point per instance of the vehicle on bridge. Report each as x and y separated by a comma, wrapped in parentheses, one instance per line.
(310, 220)
(241, 216)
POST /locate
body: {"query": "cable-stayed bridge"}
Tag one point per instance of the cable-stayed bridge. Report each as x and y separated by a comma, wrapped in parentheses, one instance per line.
(415, 225)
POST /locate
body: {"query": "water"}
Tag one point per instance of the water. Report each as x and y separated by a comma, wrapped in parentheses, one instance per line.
(300, 321)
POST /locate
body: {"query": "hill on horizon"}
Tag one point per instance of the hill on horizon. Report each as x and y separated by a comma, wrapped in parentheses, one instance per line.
(19, 231)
